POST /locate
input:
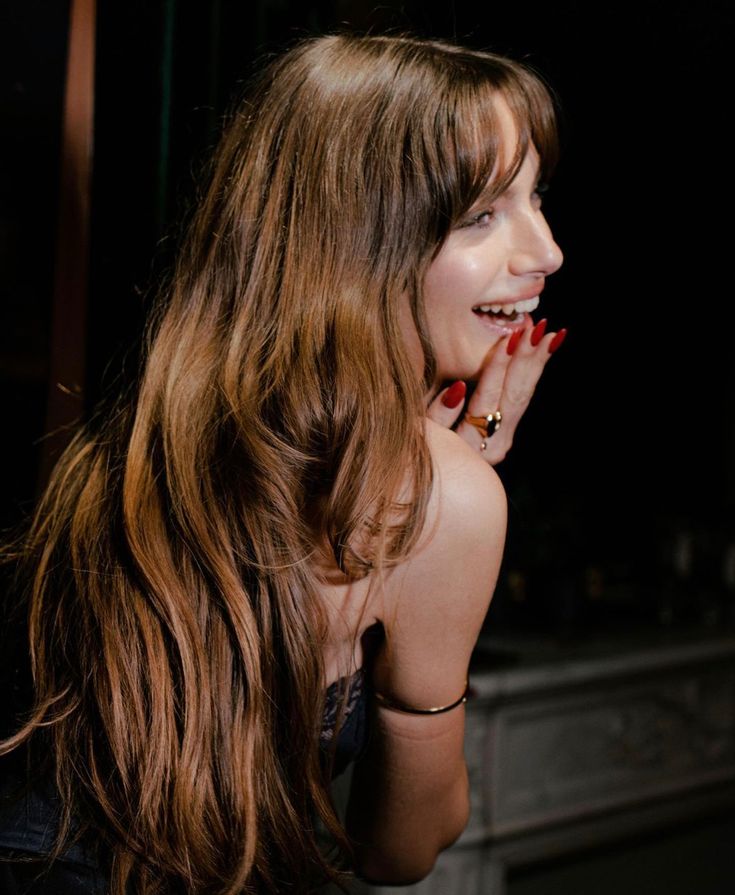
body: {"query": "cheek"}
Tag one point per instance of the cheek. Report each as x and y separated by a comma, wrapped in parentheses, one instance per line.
(438, 289)
(440, 278)
(453, 278)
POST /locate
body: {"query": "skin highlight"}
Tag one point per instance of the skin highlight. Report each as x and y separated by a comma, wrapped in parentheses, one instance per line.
(500, 253)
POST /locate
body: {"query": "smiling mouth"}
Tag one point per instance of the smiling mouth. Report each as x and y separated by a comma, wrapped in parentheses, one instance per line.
(507, 313)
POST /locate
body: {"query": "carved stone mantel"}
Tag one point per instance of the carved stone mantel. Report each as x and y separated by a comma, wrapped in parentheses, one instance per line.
(573, 745)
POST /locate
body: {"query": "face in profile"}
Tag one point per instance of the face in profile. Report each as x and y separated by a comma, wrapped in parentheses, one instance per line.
(488, 276)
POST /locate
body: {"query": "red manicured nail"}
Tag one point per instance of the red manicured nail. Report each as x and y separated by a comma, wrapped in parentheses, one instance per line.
(513, 341)
(454, 394)
(538, 332)
(557, 340)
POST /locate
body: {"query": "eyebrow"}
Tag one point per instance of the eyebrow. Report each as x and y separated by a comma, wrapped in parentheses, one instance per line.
(486, 196)
(510, 190)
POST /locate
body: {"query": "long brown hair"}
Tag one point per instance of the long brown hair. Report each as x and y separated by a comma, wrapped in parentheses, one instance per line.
(176, 627)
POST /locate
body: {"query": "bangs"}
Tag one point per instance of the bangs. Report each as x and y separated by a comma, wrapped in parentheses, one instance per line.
(475, 159)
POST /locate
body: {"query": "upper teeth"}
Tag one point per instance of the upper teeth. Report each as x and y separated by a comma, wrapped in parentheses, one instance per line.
(530, 304)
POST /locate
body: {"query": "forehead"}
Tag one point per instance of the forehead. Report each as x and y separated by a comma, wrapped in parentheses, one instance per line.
(508, 156)
(524, 176)
(509, 153)
(508, 132)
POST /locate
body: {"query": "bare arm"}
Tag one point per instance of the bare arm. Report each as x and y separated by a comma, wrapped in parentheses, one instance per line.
(409, 796)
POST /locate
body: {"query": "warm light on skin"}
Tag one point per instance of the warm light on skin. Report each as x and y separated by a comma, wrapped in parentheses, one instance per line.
(499, 258)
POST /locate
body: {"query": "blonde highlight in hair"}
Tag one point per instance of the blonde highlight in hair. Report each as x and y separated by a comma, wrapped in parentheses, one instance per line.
(176, 625)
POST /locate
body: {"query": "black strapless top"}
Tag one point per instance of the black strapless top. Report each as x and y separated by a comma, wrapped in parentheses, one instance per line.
(29, 823)
(349, 716)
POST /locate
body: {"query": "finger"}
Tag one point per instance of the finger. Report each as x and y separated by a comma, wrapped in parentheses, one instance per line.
(487, 395)
(557, 341)
(528, 362)
(448, 404)
(487, 399)
(522, 373)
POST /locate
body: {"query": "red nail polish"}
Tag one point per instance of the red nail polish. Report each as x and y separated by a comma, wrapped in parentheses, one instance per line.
(513, 341)
(454, 394)
(538, 332)
(557, 340)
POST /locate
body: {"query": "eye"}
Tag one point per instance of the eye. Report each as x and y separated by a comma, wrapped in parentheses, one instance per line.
(481, 219)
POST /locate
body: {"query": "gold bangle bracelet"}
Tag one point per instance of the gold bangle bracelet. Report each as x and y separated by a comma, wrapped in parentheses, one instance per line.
(395, 705)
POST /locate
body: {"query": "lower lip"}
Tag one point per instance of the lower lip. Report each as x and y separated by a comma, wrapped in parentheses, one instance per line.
(502, 327)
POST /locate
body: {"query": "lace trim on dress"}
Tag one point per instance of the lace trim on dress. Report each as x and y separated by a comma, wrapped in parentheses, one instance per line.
(334, 699)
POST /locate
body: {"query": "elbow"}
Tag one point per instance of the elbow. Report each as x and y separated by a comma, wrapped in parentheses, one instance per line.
(407, 862)
(461, 820)
(379, 869)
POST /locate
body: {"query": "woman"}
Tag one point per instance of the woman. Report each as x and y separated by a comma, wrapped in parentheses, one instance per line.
(281, 507)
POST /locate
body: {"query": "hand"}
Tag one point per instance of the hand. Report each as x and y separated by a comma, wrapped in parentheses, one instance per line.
(507, 383)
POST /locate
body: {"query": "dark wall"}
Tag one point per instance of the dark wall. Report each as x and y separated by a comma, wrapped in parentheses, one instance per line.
(32, 61)
(629, 443)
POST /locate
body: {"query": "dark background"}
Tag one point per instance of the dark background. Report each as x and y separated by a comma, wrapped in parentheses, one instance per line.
(625, 460)
(622, 481)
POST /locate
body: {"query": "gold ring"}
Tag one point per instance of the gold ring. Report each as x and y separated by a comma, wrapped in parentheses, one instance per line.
(485, 425)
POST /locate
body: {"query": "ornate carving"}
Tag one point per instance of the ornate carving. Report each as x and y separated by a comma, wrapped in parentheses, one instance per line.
(589, 751)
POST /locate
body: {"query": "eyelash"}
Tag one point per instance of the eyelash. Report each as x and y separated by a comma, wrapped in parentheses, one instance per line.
(476, 220)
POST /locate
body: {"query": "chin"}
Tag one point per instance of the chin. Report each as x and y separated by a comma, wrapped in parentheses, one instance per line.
(467, 363)
(470, 371)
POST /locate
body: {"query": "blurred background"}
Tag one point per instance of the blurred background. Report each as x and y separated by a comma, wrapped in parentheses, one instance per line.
(622, 481)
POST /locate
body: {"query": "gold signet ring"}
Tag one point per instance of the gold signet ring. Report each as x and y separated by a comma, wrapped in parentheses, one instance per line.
(485, 425)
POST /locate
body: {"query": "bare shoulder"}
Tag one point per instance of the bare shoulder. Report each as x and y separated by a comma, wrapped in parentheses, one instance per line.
(464, 533)
(467, 490)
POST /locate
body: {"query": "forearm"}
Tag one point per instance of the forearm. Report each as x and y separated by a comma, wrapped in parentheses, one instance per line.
(409, 798)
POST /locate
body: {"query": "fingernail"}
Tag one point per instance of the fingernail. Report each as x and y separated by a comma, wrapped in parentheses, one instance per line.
(513, 341)
(557, 340)
(454, 394)
(538, 332)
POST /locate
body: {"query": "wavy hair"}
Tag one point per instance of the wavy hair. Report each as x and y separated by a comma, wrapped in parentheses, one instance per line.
(176, 626)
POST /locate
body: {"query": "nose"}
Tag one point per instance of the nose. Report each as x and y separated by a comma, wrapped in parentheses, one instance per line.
(534, 249)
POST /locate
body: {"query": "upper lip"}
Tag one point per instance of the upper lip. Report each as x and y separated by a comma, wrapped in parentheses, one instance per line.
(524, 296)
